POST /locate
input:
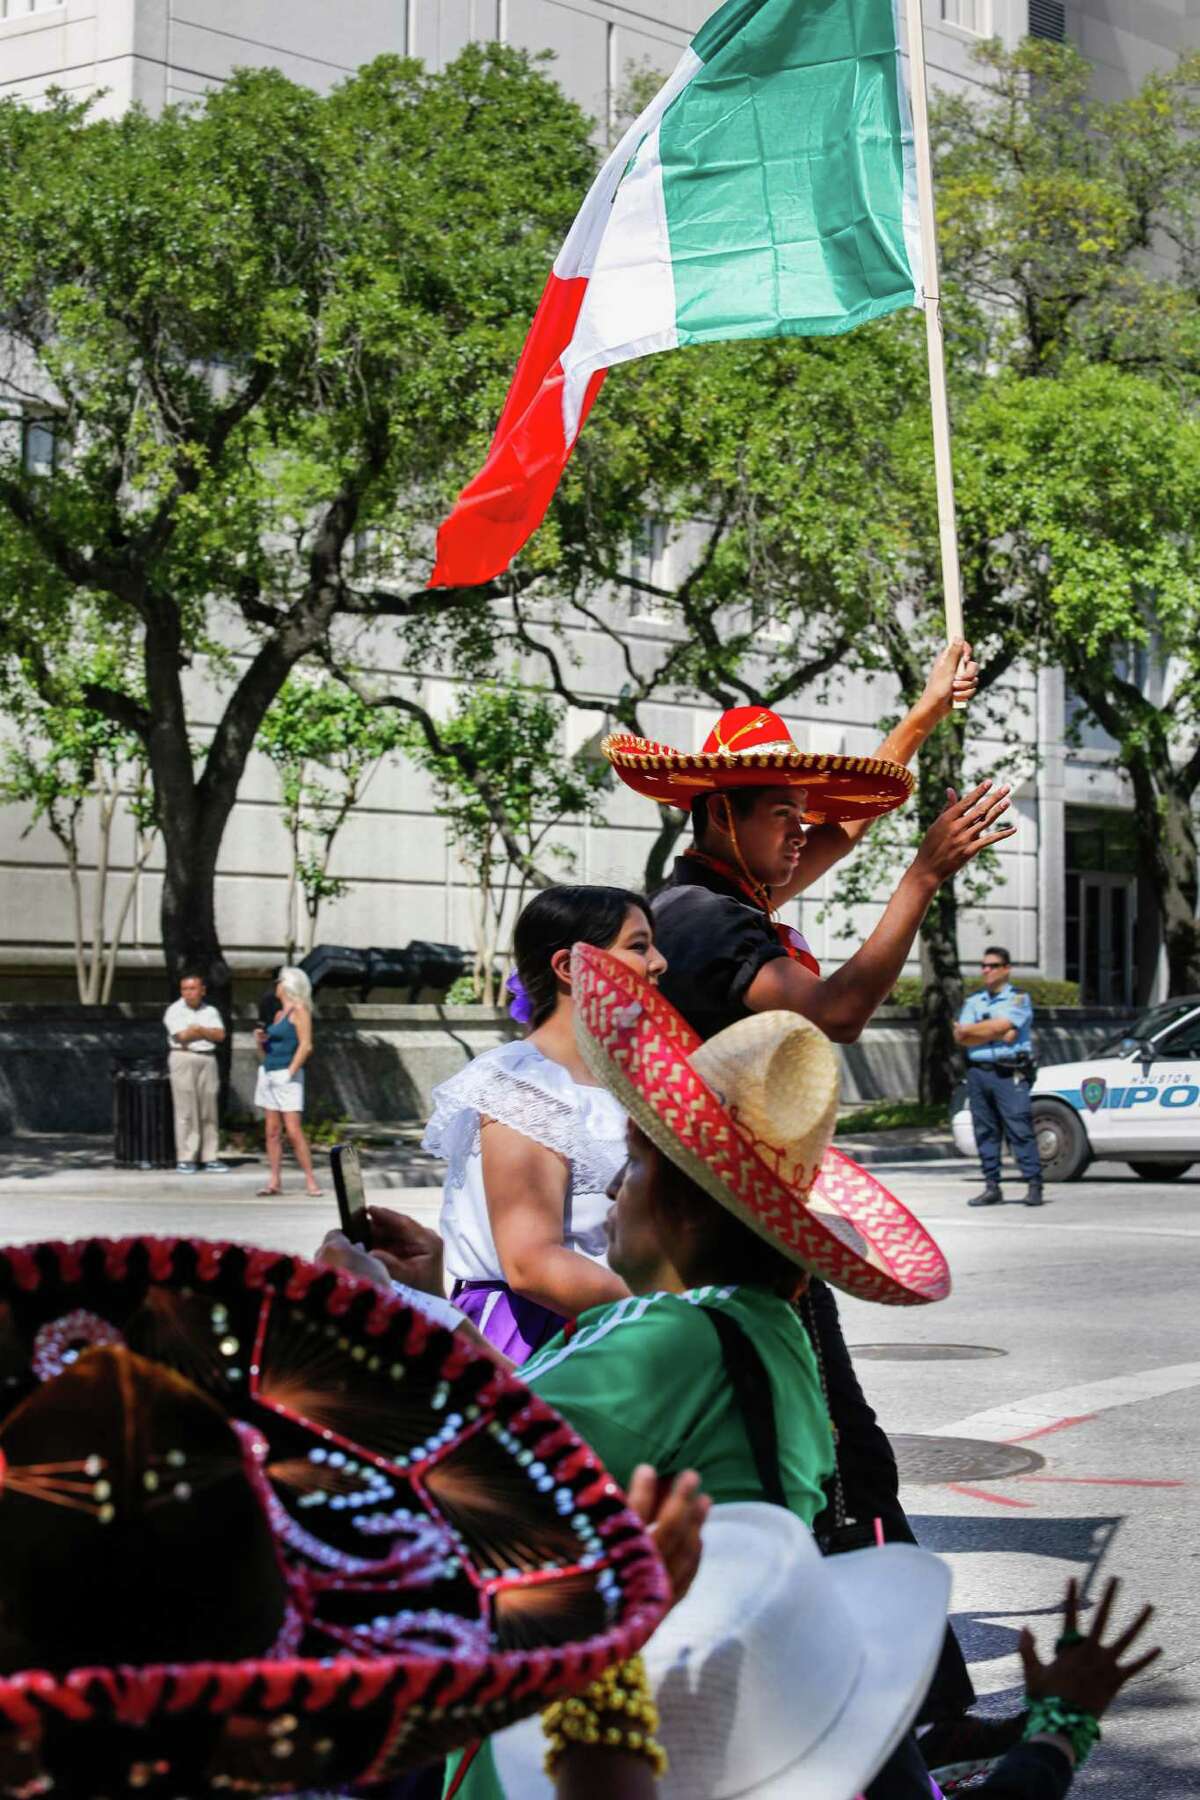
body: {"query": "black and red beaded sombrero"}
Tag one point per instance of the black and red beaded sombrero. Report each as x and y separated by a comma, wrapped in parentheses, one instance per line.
(264, 1528)
(751, 746)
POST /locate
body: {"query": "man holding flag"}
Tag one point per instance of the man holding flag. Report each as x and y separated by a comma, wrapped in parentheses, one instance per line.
(778, 185)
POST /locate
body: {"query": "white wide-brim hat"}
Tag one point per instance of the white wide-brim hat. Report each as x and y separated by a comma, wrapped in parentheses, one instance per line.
(783, 1674)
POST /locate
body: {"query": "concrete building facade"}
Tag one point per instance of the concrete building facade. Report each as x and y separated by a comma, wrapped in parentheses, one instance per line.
(1066, 902)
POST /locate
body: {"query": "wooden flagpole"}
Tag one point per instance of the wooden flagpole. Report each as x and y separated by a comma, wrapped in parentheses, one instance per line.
(944, 469)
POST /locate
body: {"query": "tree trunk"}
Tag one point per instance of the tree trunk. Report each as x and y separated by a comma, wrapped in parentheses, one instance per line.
(1181, 931)
(941, 999)
(1167, 859)
(189, 921)
(671, 824)
(942, 987)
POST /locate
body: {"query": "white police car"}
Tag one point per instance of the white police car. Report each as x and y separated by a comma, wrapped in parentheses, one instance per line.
(1136, 1099)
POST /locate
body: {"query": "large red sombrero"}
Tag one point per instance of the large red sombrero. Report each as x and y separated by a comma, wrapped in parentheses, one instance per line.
(749, 1115)
(752, 747)
(444, 1554)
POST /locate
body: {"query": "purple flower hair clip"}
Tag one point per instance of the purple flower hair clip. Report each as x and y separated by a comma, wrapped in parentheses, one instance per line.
(520, 1006)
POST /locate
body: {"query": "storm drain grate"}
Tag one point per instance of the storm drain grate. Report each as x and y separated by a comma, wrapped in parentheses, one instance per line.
(923, 1352)
(926, 1461)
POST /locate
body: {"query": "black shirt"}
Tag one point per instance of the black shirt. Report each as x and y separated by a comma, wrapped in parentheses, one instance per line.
(1028, 1772)
(715, 940)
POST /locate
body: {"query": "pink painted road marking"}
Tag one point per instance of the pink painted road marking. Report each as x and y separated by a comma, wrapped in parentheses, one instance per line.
(1134, 1481)
(1045, 1430)
(1018, 1419)
(974, 1493)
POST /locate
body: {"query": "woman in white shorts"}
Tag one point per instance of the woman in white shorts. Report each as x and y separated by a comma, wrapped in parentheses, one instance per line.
(285, 1046)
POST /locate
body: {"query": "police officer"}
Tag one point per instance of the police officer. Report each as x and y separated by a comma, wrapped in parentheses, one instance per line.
(995, 1029)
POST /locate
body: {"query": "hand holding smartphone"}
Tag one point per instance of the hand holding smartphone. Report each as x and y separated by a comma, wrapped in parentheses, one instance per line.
(351, 1194)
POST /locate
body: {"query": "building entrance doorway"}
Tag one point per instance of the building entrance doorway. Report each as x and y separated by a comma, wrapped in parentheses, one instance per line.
(1101, 912)
(1108, 905)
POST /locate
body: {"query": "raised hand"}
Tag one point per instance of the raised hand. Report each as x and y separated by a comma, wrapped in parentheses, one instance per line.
(963, 830)
(952, 681)
(1088, 1673)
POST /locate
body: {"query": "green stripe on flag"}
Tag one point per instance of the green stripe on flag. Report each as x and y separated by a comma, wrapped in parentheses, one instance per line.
(725, 23)
(783, 172)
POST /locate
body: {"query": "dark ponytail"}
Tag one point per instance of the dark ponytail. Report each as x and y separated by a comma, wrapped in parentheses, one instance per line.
(555, 919)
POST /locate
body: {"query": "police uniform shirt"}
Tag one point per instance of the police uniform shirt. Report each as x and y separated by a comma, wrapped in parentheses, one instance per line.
(1008, 1004)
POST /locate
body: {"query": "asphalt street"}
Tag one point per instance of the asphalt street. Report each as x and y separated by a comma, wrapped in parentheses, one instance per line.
(1088, 1308)
(1059, 1384)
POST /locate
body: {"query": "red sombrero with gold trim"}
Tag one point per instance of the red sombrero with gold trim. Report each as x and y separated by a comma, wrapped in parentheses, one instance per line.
(751, 746)
(749, 1116)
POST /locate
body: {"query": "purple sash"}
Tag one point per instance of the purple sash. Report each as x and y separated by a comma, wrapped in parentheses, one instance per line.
(515, 1326)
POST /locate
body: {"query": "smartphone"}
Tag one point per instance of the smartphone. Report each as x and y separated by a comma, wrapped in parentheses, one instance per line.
(351, 1195)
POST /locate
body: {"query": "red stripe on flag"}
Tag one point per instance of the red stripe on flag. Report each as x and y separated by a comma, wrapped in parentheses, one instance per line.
(503, 506)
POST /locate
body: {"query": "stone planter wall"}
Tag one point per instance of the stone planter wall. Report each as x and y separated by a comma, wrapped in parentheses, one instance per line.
(370, 1063)
(379, 1063)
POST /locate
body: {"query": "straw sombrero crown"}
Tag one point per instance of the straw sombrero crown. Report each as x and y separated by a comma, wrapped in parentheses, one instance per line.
(749, 1116)
(750, 746)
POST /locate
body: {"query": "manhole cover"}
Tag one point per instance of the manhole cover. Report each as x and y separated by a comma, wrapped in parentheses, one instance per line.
(925, 1461)
(923, 1352)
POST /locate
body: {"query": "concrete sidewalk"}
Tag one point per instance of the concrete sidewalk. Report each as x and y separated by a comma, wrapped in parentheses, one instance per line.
(81, 1166)
(902, 1144)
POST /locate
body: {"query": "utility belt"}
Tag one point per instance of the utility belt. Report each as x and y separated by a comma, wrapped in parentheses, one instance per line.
(1017, 1068)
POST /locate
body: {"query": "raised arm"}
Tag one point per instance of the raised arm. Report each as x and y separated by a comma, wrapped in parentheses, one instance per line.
(842, 1003)
(526, 1188)
(953, 677)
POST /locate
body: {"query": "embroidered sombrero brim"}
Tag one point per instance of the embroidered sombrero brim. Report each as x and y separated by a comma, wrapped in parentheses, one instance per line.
(455, 1553)
(842, 1224)
(837, 787)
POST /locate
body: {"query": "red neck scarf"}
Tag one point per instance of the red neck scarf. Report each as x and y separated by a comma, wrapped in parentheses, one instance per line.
(759, 895)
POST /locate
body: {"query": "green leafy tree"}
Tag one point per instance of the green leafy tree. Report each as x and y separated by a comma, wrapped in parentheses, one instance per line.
(326, 744)
(264, 329)
(1068, 224)
(1096, 476)
(799, 479)
(1071, 244)
(77, 771)
(501, 752)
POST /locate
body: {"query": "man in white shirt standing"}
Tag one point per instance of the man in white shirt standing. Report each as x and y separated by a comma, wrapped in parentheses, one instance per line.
(193, 1032)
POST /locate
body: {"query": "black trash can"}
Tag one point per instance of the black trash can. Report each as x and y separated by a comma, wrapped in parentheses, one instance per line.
(143, 1116)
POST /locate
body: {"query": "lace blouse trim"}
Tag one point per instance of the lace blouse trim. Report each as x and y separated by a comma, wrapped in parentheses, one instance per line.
(519, 1087)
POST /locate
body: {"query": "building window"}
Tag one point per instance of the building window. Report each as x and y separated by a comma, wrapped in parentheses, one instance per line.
(40, 446)
(20, 9)
(1048, 19)
(969, 15)
(649, 560)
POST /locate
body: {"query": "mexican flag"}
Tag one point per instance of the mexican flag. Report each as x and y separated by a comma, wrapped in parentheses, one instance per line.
(768, 190)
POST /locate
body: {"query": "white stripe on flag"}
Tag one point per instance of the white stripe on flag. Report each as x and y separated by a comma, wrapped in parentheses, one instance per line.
(908, 147)
(629, 307)
(578, 253)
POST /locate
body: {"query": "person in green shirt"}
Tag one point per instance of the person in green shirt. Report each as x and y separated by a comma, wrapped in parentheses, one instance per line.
(706, 1365)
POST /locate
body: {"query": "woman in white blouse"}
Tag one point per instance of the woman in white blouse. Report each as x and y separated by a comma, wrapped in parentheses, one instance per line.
(531, 1142)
